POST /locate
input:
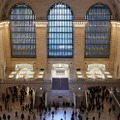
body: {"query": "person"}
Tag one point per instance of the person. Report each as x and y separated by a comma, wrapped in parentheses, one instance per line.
(93, 117)
(28, 117)
(0, 107)
(22, 116)
(16, 114)
(99, 115)
(118, 116)
(87, 118)
(34, 117)
(40, 115)
(8, 117)
(44, 118)
(113, 107)
(4, 116)
(109, 110)
(52, 114)
(65, 112)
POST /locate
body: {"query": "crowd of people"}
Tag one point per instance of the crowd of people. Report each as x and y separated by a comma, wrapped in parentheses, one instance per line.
(96, 96)
(17, 95)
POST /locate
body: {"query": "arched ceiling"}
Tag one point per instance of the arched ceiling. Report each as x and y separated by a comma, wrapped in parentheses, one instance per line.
(5, 3)
(115, 4)
(3, 7)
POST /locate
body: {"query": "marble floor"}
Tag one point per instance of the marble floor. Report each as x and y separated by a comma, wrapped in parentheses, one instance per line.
(58, 114)
(105, 115)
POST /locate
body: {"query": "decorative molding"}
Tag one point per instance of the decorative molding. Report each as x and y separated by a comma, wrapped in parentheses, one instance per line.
(4, 23)
(41, 24)
(115, 24)
(79, 24)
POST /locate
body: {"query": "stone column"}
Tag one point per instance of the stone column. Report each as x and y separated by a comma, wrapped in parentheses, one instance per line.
(79, 44)
(7, 44)
(4, 35)
(113, 45)
(117, 50)
(41, 44)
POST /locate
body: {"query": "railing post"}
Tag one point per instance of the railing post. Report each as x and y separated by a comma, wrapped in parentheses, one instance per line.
(46, 94)
(86, 99)
(74, 100)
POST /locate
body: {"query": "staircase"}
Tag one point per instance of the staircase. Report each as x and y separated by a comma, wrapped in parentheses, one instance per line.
(60, 96)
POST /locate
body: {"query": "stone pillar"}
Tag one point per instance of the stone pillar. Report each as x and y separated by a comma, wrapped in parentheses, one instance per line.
(113, 45)
(41, 44)
(1, 49)
(7, 44)
(117, 50)
(4, 33)
(118, 53)
(79, 44)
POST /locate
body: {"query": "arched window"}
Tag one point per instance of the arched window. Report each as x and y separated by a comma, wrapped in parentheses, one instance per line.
(60, 31)
(97, 44)
(23, 36)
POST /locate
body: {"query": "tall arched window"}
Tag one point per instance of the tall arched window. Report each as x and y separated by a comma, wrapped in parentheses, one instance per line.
(60, 31)
(23, 36)
(98, 32)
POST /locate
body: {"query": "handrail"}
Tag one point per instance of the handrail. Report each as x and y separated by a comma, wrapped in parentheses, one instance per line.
(46, 98)
(74, 99)
(86, 98)
(34, 98)
(114, 97)
(117, 108)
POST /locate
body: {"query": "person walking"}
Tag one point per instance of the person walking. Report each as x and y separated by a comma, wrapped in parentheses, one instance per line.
(109, 110)
(52, 114)
(93, 117)
(8, 117)
(16, 114)
(28, 117)
(87, 118)
(4, 116)
(65, 113)
(99, 115)
(22, 116)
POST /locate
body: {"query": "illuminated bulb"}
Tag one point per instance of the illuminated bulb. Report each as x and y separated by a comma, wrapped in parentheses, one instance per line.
(40, 88)
(79, 88)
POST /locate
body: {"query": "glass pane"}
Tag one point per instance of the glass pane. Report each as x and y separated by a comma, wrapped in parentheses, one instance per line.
(60, 31)
(98, 32)
(23, 38)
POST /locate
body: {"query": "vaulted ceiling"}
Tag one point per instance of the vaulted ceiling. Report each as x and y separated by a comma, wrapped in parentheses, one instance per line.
(5, 3)
(3, 7)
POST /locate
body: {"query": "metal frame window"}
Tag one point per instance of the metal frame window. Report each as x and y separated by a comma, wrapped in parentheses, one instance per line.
(23, 35)
(60, 31)
(97, 44)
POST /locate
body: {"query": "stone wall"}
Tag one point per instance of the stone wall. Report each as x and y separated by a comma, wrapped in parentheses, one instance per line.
(78, 61)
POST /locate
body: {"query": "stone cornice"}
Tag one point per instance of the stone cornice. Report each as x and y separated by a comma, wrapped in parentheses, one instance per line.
(115, 24)
(79, 24)
(4, 24)
(41, 24)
